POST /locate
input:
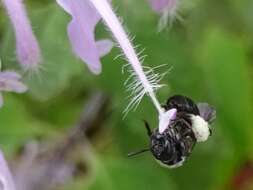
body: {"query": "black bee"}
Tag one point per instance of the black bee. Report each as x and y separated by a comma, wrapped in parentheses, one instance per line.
(183, 124)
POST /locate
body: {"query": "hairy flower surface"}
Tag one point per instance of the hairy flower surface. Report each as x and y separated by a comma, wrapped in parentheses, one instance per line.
(81, 33)
(28, 51)
(10, 82)
(6, 180)
(85, 15)
(143, 82)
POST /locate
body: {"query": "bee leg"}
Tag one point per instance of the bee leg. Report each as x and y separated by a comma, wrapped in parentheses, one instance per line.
(186, 132)
(183, 121)
(149, 132)
(138, 152)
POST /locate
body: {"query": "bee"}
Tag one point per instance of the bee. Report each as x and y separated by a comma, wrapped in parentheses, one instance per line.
(183, 124)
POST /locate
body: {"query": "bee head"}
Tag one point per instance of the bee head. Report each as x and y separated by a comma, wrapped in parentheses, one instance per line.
(161, 146)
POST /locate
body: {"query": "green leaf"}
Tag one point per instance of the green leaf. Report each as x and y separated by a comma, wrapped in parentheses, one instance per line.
(133, 174)
(224, 60)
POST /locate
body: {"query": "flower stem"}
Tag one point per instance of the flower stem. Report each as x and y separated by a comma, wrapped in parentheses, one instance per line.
(113, 23)
(156, 102)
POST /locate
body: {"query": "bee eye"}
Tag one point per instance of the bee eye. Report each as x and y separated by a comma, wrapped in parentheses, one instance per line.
(157, 149)
(160, 141)
(158, 145)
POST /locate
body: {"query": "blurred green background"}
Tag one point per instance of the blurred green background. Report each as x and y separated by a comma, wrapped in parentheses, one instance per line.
(211, 52)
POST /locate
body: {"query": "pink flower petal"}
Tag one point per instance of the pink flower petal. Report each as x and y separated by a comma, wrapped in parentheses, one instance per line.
(9, 81)
(14, 86)
(65, 5)
(6, 180)
(104, 47)
(81, 32)
(10, 75)
(1, 100)
(28, 51)
(165, 119)
(160, 5)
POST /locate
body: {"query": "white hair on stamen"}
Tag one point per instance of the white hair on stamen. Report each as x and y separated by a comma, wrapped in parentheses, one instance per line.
(143, 79)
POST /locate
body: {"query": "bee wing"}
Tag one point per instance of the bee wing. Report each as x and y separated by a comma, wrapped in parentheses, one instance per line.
(207, 112)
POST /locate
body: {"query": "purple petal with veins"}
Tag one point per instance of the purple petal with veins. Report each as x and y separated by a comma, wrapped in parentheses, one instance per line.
(81, 33)
(6, 180)
(28, 51)
(166, 118)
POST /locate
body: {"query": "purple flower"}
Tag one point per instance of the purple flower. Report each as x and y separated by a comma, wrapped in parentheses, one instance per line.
(85, 15)
(6, 180)
(28, 51)
(81, 33)
(143, 81)
(159, 5)
(10, 82)
(166, 118)
(168, 10)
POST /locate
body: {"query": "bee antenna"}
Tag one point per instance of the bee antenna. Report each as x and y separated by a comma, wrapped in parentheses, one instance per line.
(149, 132)
(131, 154)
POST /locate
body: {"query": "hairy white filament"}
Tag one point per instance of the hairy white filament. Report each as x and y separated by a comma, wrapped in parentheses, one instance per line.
(114, 25)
